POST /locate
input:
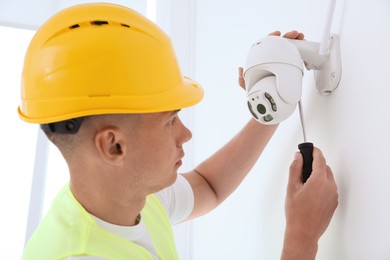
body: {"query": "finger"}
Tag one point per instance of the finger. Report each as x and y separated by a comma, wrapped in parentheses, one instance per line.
(291, 35)
(295, 178)
(300, 36)
(241, 80)
(275, 33)
(319, 162)
(329, 174)
(332, 182)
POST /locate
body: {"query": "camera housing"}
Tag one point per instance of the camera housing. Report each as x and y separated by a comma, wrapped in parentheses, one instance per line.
(274, 70)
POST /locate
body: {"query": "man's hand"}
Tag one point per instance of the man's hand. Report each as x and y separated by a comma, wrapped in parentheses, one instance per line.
(290, 35)
(309, 207)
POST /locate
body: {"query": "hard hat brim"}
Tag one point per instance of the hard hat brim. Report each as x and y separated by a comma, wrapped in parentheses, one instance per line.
(185, 94)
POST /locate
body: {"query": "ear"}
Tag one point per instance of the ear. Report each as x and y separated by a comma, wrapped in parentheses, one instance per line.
(110, 144)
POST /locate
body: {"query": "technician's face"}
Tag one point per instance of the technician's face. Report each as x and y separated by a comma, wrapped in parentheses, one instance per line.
(157, 148)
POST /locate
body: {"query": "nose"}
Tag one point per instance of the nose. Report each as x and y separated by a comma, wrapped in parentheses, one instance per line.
(184, 134)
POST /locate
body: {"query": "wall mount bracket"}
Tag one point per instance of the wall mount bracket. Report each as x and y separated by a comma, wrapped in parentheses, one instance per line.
(328, 75)
(327, 67)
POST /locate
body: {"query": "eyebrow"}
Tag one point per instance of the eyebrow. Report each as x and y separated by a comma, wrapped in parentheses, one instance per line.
(171, 113)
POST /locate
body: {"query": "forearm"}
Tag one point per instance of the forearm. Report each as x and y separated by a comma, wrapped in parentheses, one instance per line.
(225, 170)
(296, 248)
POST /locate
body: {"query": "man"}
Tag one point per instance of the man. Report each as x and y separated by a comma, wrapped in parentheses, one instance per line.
(104, 84)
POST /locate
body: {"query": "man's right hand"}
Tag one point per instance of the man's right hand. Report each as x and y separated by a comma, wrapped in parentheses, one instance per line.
(309, 207)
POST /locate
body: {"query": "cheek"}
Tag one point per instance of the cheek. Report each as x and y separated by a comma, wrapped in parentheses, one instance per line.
(159, 153)
(156, 149)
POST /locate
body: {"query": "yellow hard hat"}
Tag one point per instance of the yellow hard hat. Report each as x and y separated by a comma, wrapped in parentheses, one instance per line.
(101, 58)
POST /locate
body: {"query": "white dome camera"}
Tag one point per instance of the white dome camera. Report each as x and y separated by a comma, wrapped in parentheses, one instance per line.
(273, 79)
(274, 70)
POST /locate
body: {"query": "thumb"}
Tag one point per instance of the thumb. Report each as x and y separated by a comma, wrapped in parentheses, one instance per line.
(241, 81)
(295, 178)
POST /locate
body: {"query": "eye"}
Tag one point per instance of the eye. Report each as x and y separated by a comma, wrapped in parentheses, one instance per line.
(173, 121)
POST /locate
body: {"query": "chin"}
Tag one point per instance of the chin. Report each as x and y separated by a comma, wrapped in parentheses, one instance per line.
(172, 179)
(166, 183)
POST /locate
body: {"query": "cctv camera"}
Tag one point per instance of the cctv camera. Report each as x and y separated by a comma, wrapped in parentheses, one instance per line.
(274, 71)
(273, 79)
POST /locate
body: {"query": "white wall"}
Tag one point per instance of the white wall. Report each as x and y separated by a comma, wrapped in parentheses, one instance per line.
(351, 127)
(31, 14)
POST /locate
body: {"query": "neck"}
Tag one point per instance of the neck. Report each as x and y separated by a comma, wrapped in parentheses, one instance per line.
(108, 202)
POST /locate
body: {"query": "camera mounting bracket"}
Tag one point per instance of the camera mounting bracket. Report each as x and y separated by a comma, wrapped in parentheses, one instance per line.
(327, 67)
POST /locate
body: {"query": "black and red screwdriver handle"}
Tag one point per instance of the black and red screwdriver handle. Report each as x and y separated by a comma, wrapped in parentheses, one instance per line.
(306, 150)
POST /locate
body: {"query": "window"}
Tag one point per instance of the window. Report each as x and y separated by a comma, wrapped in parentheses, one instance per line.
(18, 140)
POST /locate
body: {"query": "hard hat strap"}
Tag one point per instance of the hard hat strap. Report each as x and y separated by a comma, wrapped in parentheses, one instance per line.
(70, 126)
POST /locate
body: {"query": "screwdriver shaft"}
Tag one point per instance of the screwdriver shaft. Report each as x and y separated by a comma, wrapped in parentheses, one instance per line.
(302, 120)
(306, 149)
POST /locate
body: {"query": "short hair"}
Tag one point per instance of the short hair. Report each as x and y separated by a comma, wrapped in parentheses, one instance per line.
(64, 134)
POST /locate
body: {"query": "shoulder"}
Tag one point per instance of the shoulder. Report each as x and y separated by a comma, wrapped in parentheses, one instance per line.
(177, 200)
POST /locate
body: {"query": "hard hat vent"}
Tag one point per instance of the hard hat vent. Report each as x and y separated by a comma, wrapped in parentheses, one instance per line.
(97, 23)
(74, 26)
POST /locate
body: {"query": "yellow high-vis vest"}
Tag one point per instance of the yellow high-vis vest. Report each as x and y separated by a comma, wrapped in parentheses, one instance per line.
(69, 230)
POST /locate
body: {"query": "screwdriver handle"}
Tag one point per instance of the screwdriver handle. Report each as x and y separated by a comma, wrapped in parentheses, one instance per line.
(306, 150)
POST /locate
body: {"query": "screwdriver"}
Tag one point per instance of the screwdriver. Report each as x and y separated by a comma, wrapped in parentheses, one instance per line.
(306, 149)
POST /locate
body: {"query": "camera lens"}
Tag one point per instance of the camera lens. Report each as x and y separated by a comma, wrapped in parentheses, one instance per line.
(261, 109)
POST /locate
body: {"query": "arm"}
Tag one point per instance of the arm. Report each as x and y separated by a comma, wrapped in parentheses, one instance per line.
(217, 177)
(309, 208)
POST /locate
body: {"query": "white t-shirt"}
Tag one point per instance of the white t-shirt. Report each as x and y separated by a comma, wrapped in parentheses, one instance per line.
(178, 202)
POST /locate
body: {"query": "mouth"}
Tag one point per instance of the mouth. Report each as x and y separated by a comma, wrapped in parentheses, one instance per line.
(180, 162)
